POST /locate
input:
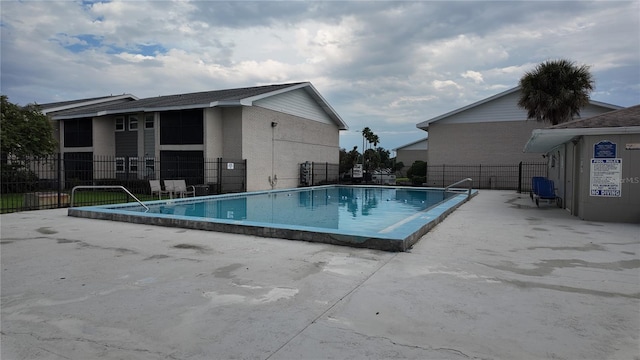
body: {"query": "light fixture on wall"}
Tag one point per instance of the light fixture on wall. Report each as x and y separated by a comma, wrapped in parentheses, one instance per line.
(274, 124)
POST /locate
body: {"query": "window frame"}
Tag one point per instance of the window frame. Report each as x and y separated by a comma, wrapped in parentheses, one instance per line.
(152, 161)
(149, 119)
(133, 119)
(118, 119)
(133, 165)
(119, 163)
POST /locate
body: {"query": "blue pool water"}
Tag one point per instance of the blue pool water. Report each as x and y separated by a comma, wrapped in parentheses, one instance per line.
(386, 218)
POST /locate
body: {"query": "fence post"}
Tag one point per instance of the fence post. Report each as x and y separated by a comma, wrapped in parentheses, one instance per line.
(443, 167)
(326, 173)
(244, 181)
(313, 170)
(520, 178)
(59, 176)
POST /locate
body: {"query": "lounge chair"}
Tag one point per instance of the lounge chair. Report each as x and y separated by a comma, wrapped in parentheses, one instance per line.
(545, 190)
(156, 188)
(181, 189)
(169, 187)
(534, 185)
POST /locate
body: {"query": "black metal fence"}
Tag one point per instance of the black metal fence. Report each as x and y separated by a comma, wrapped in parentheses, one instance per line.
(324, 173)
(501, 177)
(47, 182)
(38, 183)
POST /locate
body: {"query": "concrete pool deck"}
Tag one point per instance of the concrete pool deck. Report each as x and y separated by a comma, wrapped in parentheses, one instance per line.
(498, 279)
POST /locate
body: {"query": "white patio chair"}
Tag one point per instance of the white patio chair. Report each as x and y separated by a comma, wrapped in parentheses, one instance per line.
(182, 190)
(169, 187)
(156, 188)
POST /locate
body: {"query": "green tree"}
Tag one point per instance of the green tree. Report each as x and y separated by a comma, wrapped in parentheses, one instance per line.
(371, 138)
(26, 132)
(385, 157)
(373, 159)
(348, 159)
(555, 91)
(417, 172)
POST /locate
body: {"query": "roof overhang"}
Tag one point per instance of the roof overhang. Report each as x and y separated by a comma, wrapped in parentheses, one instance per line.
(312, 91)
(247, 101)
(136, 110)
(88, 102)
(425, 124)
(545, 140)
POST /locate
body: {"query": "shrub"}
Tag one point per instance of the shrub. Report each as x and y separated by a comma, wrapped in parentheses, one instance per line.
(17, 179)
(418, 168)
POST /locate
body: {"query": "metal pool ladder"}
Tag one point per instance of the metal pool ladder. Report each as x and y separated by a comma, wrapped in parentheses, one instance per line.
(73, 191)
(469, 180)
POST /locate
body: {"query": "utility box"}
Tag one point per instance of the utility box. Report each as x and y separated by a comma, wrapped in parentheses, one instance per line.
(305, 174)
(201, 190)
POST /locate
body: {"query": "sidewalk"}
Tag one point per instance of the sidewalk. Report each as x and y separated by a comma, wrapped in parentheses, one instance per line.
(498, 279)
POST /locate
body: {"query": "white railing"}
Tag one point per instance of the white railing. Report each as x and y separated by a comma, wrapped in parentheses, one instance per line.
(469, 180)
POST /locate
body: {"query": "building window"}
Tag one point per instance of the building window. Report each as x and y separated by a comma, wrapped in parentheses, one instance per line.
(120, 123)
(133, 123)
(148, 121)
(183, 127)
(119, 165)
(133, 164)
(150, 164)
(78, 132)
(150, 168)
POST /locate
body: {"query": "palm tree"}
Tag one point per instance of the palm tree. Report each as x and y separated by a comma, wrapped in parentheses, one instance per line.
(555, 91)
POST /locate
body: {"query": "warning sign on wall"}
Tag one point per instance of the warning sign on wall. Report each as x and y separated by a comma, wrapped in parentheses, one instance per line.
(606, 177)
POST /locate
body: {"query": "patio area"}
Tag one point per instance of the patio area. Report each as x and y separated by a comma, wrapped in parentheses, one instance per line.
(499, 278)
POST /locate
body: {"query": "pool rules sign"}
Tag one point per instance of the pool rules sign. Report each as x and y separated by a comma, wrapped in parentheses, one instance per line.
(606, 170)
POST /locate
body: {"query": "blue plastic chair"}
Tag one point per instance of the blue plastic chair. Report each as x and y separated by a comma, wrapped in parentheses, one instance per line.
(545, 190)
(535, 184)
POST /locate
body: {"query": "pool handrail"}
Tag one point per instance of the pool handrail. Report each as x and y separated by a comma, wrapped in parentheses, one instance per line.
(460, 182)
(73, 191)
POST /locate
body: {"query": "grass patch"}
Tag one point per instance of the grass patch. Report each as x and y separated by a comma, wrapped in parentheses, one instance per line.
(15, 202)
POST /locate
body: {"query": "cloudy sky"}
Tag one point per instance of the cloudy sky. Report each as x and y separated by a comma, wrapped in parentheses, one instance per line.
(385, 65)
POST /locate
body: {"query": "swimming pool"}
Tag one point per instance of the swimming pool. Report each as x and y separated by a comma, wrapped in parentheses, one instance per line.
(384, 218)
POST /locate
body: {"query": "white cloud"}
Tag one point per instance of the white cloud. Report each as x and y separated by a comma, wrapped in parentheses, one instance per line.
(446, 84)
(473, 75)
(136, 58)
(386, 65)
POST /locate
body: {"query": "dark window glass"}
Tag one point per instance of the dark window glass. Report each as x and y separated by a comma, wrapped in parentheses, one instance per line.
(78, 132)
(148, 121)
(187, 165)
(181, 127)
(120, 123)
(78, 169)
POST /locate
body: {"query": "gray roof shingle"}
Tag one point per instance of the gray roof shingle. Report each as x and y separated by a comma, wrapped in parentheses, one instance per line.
(189, 100)
(618, 118)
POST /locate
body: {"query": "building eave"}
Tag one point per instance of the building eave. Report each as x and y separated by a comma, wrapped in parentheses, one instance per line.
(247, 101)
(545, 140)
(87, 103)
(411, 143)
(134, 110)
(311, 90)
(425, 124)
